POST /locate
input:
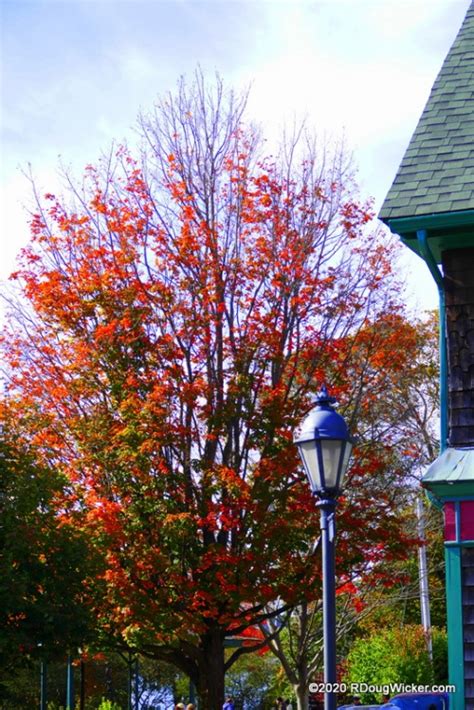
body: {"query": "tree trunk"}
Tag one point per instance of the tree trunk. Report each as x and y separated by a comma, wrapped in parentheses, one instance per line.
(301, 688)
(301, 693)
(211, 682)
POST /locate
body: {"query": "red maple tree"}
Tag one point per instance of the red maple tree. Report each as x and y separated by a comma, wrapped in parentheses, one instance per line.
(180, 314)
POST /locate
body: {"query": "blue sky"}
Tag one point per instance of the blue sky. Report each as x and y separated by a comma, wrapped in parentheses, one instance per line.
(75, 73)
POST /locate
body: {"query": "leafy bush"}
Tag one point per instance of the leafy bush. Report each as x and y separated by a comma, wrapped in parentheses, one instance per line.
(108, 705)
(396, 655)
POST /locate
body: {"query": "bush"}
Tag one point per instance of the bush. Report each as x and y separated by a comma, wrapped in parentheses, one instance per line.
(108, 705)
(396, 655)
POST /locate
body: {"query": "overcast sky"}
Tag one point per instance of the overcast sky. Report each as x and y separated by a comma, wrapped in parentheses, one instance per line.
(75, 73)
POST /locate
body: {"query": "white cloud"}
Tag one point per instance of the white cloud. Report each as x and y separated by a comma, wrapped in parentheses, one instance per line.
(135, 65)
(365, 66)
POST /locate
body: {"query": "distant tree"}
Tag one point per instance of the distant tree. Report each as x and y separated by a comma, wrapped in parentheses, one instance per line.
(249, 681)
(44, 565)
(180, 312)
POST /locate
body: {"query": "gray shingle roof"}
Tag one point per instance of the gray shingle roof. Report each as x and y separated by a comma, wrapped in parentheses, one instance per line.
(437, 172)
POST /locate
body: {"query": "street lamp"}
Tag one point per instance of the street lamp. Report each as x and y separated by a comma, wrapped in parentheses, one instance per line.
(325, 447)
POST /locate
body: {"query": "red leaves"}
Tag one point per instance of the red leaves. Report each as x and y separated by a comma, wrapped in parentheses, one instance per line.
(172, 352)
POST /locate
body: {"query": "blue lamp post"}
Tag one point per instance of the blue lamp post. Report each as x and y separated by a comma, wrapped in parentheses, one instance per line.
(325, 447)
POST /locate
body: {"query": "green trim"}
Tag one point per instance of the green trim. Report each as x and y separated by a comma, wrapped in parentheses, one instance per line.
(450, 491)
(427, 256)
(440, 220)
(446, 230)
(455, 628)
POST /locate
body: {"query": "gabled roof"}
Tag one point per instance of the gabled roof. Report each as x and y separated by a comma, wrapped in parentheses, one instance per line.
(436, 174)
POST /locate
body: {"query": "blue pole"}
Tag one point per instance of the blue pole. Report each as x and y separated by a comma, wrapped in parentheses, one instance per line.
(70, 685)
(43, 685)
(328, 534)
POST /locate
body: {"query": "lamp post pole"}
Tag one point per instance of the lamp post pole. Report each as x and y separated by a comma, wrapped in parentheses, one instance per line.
(43, 677)
(327, 508)
(70, 684)
(43, 685)
(325, 447)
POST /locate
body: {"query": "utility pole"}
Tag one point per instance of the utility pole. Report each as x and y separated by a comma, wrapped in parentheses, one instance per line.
(423, 578)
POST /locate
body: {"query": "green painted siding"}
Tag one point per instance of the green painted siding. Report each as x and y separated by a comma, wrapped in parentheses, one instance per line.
(455, 627)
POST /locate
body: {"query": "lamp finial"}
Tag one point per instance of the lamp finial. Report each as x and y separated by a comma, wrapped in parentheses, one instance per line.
(323, 398)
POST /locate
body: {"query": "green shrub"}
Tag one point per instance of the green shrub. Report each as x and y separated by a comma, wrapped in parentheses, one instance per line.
(108, 705)
(395, 655)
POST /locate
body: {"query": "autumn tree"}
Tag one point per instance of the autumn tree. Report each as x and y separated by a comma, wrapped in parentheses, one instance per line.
(179, 312)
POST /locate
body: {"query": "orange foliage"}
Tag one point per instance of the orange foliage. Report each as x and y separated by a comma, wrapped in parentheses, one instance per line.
(169, 360)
